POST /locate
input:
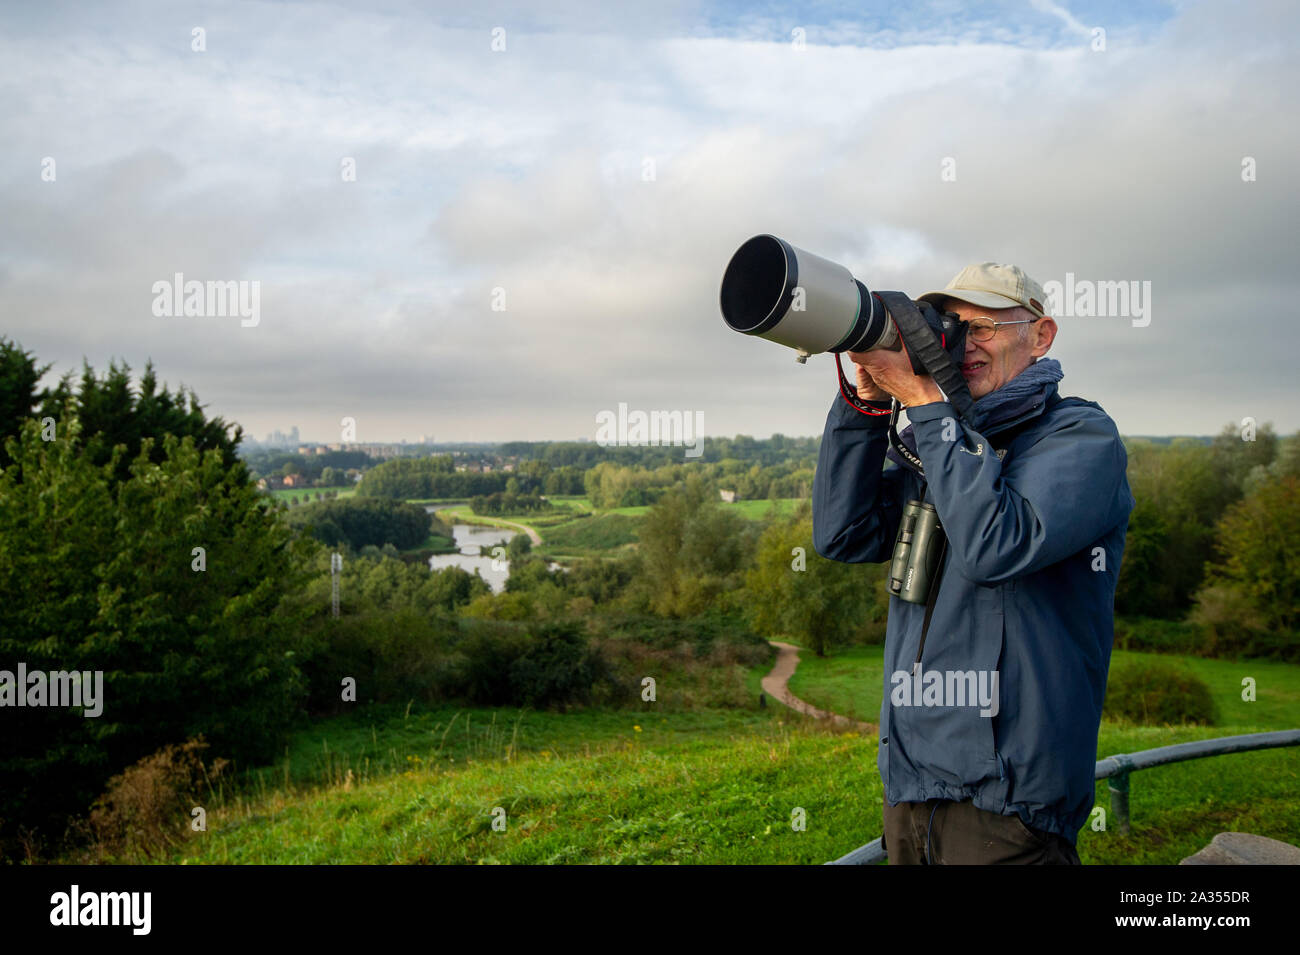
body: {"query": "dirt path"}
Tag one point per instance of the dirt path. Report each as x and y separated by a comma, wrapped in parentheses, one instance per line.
(776, 685)
(533, 536)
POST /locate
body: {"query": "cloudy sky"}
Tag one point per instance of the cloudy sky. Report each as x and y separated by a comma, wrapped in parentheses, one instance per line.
(594, 172)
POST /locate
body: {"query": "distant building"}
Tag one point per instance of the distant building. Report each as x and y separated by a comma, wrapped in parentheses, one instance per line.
(295, 480)
(728, 496)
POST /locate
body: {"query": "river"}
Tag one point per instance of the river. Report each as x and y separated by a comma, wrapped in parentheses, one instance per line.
(471, 539)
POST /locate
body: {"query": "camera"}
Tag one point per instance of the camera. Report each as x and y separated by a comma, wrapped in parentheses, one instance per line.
(781, 293)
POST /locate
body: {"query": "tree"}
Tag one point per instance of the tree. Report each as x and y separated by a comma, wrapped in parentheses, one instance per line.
(168, 582)
(19, 375)
(520, 545)
(795, 592)
(365, 521)
(1251, 598)
(694, 553)
(110, 411)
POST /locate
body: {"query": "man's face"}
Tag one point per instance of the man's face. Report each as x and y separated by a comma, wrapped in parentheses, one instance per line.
(987, 366)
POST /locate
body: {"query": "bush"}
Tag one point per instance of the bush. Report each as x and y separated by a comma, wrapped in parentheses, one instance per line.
(1158, 693)
(1230, 624)
(558, 667)
(1153, 635)
(146, 809)
(394, 655)
(687, 673)
(543, 666)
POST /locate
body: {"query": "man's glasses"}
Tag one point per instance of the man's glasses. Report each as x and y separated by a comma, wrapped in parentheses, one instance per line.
(982, 329)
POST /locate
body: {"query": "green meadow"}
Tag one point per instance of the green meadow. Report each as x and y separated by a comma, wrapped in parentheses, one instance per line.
(710, 785)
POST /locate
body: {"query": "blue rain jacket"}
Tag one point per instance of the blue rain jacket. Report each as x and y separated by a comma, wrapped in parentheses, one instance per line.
(1035, 522)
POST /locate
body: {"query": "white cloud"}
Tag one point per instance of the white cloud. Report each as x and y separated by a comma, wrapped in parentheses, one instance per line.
(524, 170)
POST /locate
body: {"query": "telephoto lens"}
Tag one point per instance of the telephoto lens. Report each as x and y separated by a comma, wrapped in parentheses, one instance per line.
(779, 292)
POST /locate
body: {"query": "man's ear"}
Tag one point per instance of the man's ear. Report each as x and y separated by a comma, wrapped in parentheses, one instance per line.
(1045, 330)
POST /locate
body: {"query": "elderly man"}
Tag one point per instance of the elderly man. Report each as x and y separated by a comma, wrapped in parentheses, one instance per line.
(1034, 502)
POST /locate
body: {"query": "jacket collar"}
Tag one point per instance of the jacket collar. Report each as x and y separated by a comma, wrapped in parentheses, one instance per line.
(1023, 397)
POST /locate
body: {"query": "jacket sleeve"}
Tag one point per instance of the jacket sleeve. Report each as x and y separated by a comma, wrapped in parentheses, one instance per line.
(856, 501)
(1049, 501)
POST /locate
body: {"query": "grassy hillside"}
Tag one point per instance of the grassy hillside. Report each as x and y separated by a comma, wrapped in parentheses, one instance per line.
(851, 682)
(597, 786)
(704, 785)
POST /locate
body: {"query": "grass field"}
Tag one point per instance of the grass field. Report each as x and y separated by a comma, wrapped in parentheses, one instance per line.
(707, 785)
(851, 682)
(283, 494)
(594, 536)
(1175, 809)
(703, 786)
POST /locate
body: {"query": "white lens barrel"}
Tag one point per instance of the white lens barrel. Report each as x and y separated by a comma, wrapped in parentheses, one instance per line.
(795, 298)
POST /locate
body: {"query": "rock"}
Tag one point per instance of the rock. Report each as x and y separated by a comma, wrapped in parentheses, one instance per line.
(1245, 848)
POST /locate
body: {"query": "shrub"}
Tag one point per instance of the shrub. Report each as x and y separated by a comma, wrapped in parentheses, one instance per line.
(1154, 635)
(394, 656)
(1157, 693)
(146, 809)
(548, 665)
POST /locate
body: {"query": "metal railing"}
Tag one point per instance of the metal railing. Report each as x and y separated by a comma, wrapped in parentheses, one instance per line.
(1120, 767)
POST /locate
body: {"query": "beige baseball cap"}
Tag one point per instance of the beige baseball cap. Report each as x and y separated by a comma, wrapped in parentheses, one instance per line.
(993, 286)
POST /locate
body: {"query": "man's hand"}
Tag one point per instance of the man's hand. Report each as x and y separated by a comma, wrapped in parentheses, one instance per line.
(890, 373)
(867, 388)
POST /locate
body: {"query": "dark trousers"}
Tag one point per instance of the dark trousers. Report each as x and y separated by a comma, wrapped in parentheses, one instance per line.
(943, 832)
